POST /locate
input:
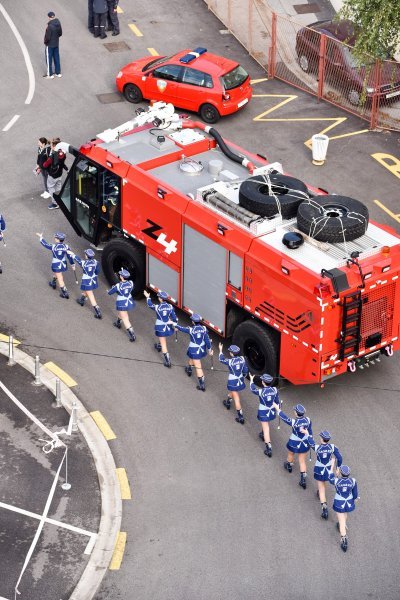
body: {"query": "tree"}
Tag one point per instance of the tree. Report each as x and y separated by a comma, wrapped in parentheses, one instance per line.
(379, 23)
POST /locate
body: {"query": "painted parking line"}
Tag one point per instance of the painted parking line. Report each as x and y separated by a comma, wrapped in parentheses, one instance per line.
(119, 550)
(254, 81)
(6, 339)
(135, 30)
(124, 484)
(10, 123)
(153, 52)
(58, 372)
(389, 212)
(103, 425)
(119, 10)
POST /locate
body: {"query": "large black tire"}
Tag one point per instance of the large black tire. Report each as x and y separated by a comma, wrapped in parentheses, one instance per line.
(209, 113)
(132, 93)
(254, 195)
(333, 219)
(121, 253)
(260, 347)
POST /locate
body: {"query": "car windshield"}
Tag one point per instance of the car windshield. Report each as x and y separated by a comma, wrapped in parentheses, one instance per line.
(159, 60)
(234, 78)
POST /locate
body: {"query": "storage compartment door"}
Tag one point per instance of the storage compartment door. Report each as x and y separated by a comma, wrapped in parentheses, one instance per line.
(204, 277)
(162, 277)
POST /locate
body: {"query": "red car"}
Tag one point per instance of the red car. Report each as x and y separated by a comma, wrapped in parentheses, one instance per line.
(195, 80)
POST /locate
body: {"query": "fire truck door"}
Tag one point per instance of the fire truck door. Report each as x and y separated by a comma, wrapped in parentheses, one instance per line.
(204, 277)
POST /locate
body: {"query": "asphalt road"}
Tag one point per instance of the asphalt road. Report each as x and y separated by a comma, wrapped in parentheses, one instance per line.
(211, 517)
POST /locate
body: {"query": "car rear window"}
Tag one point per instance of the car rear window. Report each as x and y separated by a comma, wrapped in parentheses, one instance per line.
(234, 78)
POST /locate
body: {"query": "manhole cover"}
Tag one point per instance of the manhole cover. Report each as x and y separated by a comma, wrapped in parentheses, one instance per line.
(303, 9)
(110, 98)
(116, 46)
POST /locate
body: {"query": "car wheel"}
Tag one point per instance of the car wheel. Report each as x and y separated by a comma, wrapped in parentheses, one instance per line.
(354, 97)
(334, 219)
(268, 195)
(209, 113)
(123, 254)
(260, 347)
(132, 93)
(304, 63)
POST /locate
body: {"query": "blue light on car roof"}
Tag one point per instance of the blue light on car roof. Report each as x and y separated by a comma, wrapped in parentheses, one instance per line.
(192, 55)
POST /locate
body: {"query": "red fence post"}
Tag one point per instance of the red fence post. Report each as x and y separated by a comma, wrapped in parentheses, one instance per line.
(272, 49)
(376, 96)
(321, 66)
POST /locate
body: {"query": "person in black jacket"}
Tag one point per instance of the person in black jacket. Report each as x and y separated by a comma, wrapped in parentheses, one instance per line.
(112, 17)
(55, 165)
(100, 9)
(51, 42)
(43, 154)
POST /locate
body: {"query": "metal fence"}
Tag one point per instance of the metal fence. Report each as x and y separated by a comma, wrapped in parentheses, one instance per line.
(313, 62)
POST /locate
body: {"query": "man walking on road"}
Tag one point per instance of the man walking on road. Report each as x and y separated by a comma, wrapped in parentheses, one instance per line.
(51, 42)
(55, 165)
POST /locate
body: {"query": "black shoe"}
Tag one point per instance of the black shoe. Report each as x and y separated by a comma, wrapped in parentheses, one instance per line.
(261, 435)
(81, 300)
(1, 269)
(157, 347)
(288, 466)
(268, 450)
(103, 37)
(53, 284)
(97, 313)
(201, 385)
(302, 482)
(240, 419)
(131, 334)
(324, 513)
(117, 323)
(188, 371)
(344, 543)
(227, 403)
(167, 361)
(115, 33)
(64, 293)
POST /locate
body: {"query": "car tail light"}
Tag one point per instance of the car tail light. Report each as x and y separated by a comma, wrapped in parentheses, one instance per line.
(226, 96)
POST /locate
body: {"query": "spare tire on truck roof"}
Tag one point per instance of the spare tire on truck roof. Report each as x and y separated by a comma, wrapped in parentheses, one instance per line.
(267, 195)
(334, 219)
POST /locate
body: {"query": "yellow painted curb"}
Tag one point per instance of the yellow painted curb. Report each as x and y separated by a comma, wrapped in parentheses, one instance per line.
(5, 338)
(124, 484)
(135, 30)
(118, 553)
(65, 378)
(103, 425)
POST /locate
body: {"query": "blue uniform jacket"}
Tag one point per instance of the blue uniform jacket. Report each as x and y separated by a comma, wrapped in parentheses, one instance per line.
(91, 269)
(298, 442)
(59, 260)
(267, 396)
(2, 226)
(238, 370)
(323, 464)
(199, 341)
(165, 312)
(346, 493)
(124, 290)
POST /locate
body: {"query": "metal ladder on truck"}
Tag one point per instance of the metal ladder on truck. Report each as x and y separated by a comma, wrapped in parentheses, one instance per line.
(351, 325)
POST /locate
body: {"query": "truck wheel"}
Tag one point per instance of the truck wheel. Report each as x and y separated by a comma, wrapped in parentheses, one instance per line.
(124, 254)
(333, 219)
(283, 193)
(132, 93)
(260, 347)
(209, 113)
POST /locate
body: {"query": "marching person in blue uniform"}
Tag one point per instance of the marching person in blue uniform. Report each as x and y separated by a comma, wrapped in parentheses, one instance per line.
(59, 261)
(124, 302)
(2, 228)
(163, 328)
(266, 412)
(344, 500)
(298, 441)
(238, 370)
(325, 458)
(91, 269)
(198, 347)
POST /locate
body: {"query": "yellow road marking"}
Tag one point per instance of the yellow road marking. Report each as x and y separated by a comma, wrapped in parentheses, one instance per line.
(103, 425)
(124, 484)
(389, 162)
(261, 116)
(119, 10)
(65, 378)
(153, 52)
(135, 30)
(119, 550)
(389, 212)
(254, 81)
(5, 338)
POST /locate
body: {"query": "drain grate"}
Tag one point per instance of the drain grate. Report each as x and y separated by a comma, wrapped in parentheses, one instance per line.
(303, 9)
(110, 98)
(116, 46)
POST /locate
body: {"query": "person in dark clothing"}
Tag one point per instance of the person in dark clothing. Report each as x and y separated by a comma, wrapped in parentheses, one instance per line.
(51, 42)
(90, 16)
(43, 154)
(55, 165)
(100, 9)
(112, 17)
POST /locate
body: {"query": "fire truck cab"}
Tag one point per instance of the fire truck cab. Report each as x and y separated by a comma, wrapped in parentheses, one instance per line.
(161, 196)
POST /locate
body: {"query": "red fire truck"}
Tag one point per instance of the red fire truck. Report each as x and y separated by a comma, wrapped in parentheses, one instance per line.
(304, 283)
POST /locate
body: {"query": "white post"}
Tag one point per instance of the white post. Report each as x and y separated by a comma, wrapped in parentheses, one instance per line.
(37, 381)
(74, 417)
(57, 403)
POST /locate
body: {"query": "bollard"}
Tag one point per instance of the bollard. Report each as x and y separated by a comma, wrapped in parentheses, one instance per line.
(37, 381)
(74, 417)
(11, 361)
(57, 403)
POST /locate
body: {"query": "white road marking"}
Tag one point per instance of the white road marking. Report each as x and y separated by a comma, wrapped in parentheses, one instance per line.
(25, 53)
(7, 127)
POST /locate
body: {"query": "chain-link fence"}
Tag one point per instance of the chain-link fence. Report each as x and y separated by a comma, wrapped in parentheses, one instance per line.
(314, 62)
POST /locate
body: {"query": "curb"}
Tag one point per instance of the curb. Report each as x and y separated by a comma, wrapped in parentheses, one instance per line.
(111, 502)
